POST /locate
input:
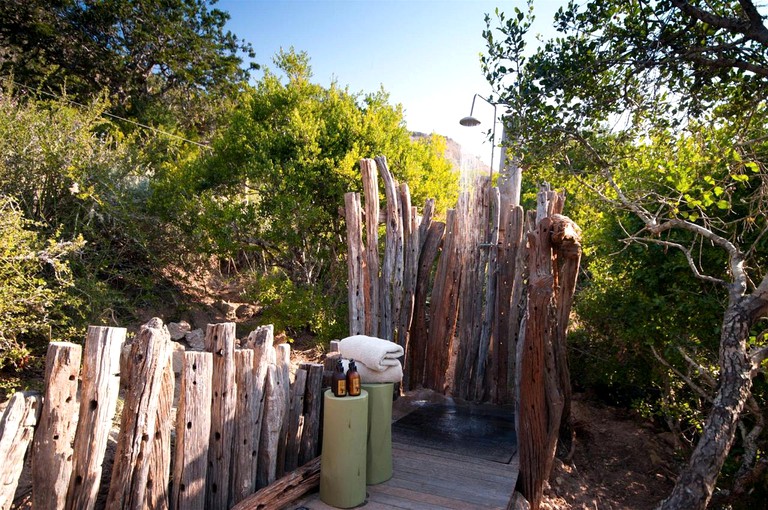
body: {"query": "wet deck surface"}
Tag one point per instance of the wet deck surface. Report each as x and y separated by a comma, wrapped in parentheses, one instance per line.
(446, 456)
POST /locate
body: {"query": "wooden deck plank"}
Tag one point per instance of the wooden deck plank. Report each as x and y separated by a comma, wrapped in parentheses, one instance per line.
(429, 479)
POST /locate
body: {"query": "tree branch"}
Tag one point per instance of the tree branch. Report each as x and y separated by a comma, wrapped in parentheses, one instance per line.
(753, 28)
(686, 252)
(695, 387)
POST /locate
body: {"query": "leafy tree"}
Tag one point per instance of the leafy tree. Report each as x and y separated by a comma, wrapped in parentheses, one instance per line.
(657, 108)
(271, 190)
(155, 58)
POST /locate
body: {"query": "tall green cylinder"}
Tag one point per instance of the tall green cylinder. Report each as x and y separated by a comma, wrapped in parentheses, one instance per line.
(343, 461)
(379, 456)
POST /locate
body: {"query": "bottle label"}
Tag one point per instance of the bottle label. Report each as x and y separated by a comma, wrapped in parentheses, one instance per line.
(354, 387)
(341, 388)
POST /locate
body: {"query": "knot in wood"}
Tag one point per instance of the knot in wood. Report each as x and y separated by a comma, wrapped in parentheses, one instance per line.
(564, 231)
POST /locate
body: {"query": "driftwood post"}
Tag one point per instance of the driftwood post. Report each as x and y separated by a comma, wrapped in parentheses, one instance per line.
(283, 361)
(355, 264)
(419, 336)
(243, 478)
(17, 426)
(369, 174)
(491, 282)
(149, 355)
(274, 407)
(52, 446)
(193, 431)
(261, 340)
(444, 308)
(295, 421)
(158, 494)
(220, 340)
(313, 398)
(391, 286)
(285, 490)
(98, 399)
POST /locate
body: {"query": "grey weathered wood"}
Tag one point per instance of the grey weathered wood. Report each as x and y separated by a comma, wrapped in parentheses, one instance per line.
(295, 421)
(444, 304)
(149, 356)
(17, 427)
(283, 362)
(369, 174)
(286, 490)
(419, 330)
(491, 281)
(157, 496)
(243, 479)
(391, 271)
(426, 221)
(355, 264)
(100, 378)
(193, 432)
(220, 340)
(274, 407)
(261, 340)
(410, 265)
(52, 446)
(313, 398)
(474, 258)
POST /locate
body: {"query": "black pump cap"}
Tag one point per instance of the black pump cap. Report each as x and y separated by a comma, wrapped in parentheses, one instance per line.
(352, 365)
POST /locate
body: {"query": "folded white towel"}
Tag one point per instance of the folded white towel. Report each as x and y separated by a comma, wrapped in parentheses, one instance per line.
(393, 374)
(374, 353)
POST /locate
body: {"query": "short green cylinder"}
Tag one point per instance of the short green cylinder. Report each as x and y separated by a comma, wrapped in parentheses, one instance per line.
(379, 456)
(343, 461)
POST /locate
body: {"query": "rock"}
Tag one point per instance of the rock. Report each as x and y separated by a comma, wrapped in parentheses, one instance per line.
(195, 339)
(228, 309)
(178, 330)
(178, 358)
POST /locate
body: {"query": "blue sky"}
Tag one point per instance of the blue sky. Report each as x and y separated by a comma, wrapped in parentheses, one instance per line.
(424, 53)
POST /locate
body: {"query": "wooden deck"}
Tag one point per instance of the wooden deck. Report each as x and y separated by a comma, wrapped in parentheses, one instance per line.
(430, 479)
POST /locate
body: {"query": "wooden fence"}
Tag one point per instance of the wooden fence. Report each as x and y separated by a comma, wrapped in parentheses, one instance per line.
(241, 421)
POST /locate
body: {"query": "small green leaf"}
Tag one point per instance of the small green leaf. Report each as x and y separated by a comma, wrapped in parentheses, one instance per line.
(722, 204)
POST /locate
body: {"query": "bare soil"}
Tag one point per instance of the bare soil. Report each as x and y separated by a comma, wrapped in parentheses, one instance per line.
(620, 461)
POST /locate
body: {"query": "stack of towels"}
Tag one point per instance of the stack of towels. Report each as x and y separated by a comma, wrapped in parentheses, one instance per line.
(377, 360)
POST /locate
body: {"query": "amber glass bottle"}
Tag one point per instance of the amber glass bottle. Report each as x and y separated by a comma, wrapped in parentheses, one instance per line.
(339, 382)
(353, 380)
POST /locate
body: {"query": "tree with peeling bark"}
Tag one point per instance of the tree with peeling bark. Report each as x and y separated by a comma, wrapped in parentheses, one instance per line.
(619, 101)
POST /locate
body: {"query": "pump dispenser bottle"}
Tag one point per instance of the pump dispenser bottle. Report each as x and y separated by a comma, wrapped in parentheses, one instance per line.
(353, 380)
(339, 381)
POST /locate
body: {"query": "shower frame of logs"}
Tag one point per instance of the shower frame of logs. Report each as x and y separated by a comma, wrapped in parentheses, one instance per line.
(480, 302)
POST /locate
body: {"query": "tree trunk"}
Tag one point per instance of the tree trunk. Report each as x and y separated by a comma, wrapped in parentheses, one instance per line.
(694, 487)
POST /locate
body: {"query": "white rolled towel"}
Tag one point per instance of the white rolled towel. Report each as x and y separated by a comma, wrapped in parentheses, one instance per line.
(393, 373)
(374, 353)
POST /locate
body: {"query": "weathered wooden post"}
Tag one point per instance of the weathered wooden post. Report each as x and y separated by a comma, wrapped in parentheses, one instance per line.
(52, 446)
(391, 285)
(369, 174)
(150, 354)
(17, 426)
(193, 432)
(295, 421)
(220, 340)
(243, 480)
(98, 399)
(355, 264)
(312, 402)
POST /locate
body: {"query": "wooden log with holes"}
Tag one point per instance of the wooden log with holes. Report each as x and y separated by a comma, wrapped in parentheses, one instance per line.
(100, 378)
(410, 265)
(193, 432)
(274, 407)
(295, 421)
(419, 334)
(52, 445)
(261, 340)
(157, 496)
(391, 284)
(17, 427)
(444, 304)
(474, 257)
(149, 356)
(220, 340)
(310, 433)
(369, 174)
(286, 490)
(283, 363)
(355, 264)
(243, 478)
(489, 315)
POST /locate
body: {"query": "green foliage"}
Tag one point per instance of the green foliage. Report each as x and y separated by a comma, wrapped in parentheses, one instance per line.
(270, 192)
(296, 309)
(37, 281)
(151, 56)
(653, 111)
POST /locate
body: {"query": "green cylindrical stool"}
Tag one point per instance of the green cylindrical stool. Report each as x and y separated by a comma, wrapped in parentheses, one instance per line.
(379, 457)
(342, 465)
